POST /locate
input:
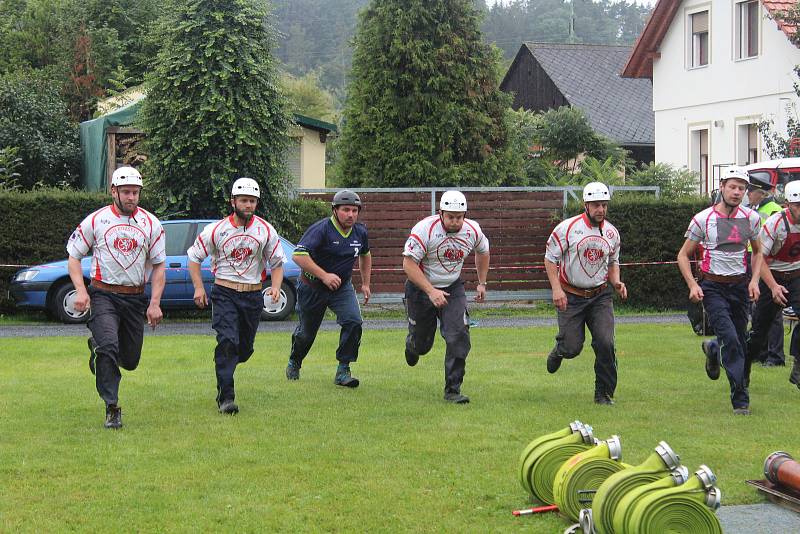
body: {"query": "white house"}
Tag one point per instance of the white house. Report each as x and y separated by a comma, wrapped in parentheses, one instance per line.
(718, 67)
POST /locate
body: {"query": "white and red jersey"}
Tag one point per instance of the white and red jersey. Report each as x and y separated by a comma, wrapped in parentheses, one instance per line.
(239, 253)
(440, 254)
(583, 252)
(124, 247)
(781, 249)
(724, 239)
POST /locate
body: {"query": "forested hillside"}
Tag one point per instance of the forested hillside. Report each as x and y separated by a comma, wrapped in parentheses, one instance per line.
(317, 33)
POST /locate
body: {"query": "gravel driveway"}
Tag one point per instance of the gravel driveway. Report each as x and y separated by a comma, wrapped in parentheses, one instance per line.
(174, 328)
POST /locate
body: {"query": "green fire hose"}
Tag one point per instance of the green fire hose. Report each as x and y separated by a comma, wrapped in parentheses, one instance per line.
(625, 506)
(658, 465)
(687, 508)
(579, 477)
(543, 456)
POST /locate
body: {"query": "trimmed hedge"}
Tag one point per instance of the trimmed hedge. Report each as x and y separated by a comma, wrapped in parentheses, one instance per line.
(36, 225)
(652, 230)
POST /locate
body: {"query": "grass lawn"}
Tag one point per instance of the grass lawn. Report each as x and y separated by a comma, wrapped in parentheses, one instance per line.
(389, 456)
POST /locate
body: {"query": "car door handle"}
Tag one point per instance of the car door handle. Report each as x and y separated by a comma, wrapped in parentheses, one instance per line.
(174, 265)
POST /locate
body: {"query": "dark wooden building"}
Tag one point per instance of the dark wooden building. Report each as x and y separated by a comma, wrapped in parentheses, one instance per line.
(546, 76)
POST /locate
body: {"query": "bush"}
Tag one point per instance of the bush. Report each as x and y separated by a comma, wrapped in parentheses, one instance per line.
(301, 213)
(33, 118)
(22, 212)
(674, 181)
(652, 230)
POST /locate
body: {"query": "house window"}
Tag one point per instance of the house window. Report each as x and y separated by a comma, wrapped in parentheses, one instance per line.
(698, 158)
(293, 161)
(698, 22)
(746, 29)
(747, 144)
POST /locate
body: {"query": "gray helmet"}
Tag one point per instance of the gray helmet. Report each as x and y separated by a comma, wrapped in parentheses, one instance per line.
(345, 197)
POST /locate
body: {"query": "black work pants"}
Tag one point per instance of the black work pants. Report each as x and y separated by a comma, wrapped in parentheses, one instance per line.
(234, 316)
(596, 313)
(453, 319)
(117, 326)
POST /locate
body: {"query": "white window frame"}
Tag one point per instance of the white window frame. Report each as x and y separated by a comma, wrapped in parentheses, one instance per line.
(696, 160)
(742, 25)
(693, 41)
(746, 151)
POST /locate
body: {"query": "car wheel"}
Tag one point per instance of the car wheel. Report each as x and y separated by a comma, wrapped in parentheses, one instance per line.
(63, 306)
(284, 307)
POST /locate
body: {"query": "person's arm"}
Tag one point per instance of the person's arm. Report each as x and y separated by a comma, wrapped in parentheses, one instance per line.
(365, 268)
(200, 297)
(157, 281)
(685, 266)
(276, 279)
(482, 265)
(82, 301)
(756, 260)
(616, 282)
(418, 278)
(559, 297)
(307, 264)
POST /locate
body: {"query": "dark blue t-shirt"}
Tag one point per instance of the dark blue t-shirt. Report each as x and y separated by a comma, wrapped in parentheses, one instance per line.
(333, 250)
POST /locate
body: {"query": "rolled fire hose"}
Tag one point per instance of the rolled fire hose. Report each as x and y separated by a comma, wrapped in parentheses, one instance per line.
(542, 457)
(688, 508)
(781, 469)
(579, 477)
(626, 504)
(658, 465)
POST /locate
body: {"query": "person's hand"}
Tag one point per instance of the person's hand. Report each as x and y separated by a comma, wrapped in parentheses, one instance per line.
(200, 298)
(367, 293)
(154, 315)
(438, 297)
(82, 301)
(331, 281)
(622, 290)
(560, 299)
(481, 293)
(696, 293)
(778, 292)
(752, 288)
(275, 294)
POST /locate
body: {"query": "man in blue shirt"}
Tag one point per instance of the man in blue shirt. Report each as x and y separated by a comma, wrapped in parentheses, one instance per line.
(326, 254)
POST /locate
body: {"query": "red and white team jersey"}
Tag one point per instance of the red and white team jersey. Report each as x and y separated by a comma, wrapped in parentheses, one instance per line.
(124, 248)
(724, 239)
(781, 250)
(583, 252)
(440, 254)
(239, 253)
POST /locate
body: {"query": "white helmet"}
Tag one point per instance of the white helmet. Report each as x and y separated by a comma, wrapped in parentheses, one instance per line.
(126, 176)
(792, 191)
(595, 191)
(453, 201)
(245, 186)
(736, 172)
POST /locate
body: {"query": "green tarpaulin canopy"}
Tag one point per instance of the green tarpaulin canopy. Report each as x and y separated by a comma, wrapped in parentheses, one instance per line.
(94, 145)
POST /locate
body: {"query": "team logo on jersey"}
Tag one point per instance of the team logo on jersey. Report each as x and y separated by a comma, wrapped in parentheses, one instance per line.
(592, 253)
(125, 243)
(732, 234)
(240, 252)
(610, 233)
(451, 253)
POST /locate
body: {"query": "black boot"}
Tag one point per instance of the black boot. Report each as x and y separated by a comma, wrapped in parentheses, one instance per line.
(794, 377)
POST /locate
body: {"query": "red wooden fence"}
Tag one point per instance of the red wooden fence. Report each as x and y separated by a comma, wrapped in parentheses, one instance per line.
(517, 224)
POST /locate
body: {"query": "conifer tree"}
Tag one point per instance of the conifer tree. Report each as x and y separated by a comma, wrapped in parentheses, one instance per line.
(213, 110)
(423, 105)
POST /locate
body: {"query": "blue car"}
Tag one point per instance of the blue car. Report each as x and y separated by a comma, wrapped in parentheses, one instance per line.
(48, 287)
